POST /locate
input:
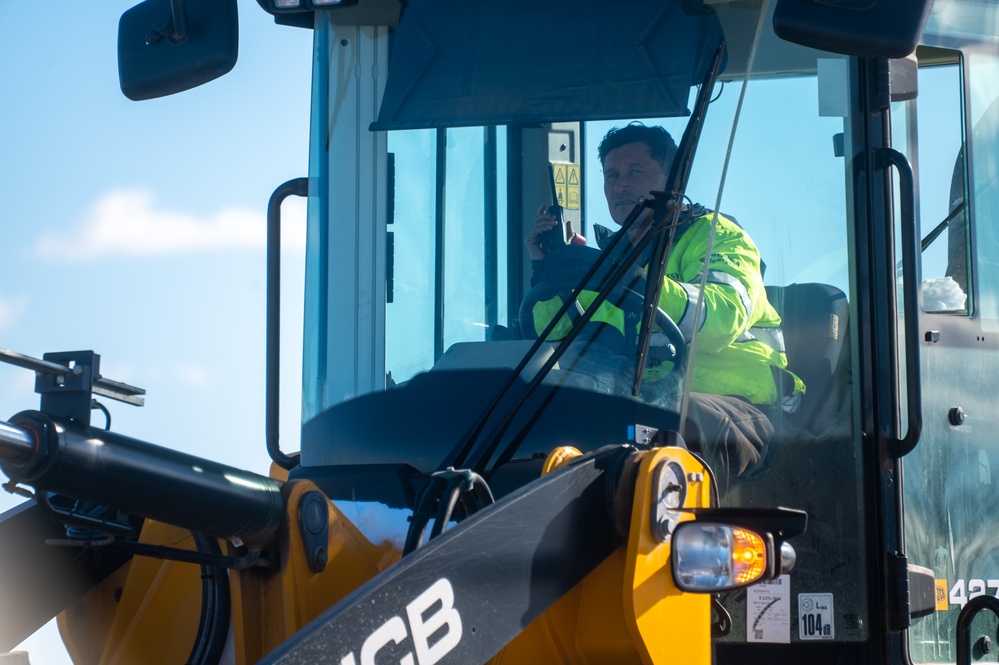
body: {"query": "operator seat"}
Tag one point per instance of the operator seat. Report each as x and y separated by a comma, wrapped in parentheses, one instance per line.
(815, 321)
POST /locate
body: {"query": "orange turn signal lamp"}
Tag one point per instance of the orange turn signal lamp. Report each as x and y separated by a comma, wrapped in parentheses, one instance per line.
(725, 549)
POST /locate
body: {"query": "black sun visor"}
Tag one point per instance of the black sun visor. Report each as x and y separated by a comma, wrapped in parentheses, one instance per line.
(461, 63)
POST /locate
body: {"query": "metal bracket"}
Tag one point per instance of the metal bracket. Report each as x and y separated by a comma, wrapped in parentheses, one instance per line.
(68, 380)
(314, 524)
(911, 591)
(644, 436)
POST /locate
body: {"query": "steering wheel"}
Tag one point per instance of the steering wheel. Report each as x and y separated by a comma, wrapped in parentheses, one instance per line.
(561, 272)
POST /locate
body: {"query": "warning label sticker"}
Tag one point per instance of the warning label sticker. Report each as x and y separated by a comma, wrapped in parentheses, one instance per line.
(815, 616)
(560, 188)
(768, 611)
(572, 173)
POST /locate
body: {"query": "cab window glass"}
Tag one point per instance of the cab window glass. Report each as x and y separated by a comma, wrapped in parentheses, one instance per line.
(471, 282)
(940, 164)
(409, 328)
(984, 189)
(448, 283)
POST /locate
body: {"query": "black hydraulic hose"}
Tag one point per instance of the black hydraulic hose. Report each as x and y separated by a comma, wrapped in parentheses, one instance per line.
(469, 488)
(423, 507)
(216, 607)
(251, 559)
(82, 520)
(445, 506)
(296, 187)
(445, 490)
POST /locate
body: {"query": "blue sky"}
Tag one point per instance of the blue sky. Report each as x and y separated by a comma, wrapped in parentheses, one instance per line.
(137, 229)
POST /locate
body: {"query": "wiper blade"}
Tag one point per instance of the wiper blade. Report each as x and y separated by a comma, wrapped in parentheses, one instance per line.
(676, 185)
(939, 228)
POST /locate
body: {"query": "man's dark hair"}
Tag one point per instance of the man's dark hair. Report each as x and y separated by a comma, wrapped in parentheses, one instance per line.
(661, 144)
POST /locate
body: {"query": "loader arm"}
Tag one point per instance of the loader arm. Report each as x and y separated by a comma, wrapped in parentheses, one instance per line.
(39, 580)
(486, 580)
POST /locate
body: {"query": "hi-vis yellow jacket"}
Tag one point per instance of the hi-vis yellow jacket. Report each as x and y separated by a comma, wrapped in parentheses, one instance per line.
(739, 340)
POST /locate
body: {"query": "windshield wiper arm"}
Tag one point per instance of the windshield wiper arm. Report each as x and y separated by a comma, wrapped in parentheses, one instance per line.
(939, 228)
(676, 185)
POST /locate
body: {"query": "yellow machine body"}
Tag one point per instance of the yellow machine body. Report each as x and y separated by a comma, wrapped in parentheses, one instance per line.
(627, 610)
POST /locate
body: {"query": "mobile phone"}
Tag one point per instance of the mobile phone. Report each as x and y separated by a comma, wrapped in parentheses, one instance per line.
(549, 240)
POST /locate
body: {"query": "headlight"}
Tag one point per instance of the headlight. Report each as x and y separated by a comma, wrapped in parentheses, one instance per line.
(711, 557)
(291, 6)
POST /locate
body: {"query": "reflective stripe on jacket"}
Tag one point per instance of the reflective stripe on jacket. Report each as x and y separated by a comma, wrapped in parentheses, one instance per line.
(739, 341)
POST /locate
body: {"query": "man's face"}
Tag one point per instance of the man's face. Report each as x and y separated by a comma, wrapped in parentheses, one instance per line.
(630, 172)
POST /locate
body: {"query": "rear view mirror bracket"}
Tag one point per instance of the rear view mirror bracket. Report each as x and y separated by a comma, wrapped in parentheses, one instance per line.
(173, 25)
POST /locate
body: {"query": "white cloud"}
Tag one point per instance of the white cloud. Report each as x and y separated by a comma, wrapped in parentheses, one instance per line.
(128, 223)
(193, 375)
(10, 310)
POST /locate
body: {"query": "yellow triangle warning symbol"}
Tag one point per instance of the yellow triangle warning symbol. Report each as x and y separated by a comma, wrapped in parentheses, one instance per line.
(574, 176)
(560, 176)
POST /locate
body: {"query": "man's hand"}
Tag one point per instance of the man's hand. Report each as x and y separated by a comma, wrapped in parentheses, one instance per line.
(544, 222)
(642, 225)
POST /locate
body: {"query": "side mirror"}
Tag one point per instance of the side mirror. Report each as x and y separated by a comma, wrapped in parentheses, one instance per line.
(865, 28)
(168, 46)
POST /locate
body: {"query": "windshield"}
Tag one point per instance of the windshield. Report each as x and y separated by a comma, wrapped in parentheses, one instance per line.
(425, 292)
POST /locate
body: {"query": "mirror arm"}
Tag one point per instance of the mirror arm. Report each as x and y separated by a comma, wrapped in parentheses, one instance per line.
(179, 10)
(173, 26)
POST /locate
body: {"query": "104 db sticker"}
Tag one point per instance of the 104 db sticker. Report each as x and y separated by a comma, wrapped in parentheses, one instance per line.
(815, 616)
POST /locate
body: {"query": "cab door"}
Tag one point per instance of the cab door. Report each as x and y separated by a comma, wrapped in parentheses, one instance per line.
(950, 134)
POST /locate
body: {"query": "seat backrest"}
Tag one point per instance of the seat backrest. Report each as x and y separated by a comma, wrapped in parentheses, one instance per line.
(815, 321)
